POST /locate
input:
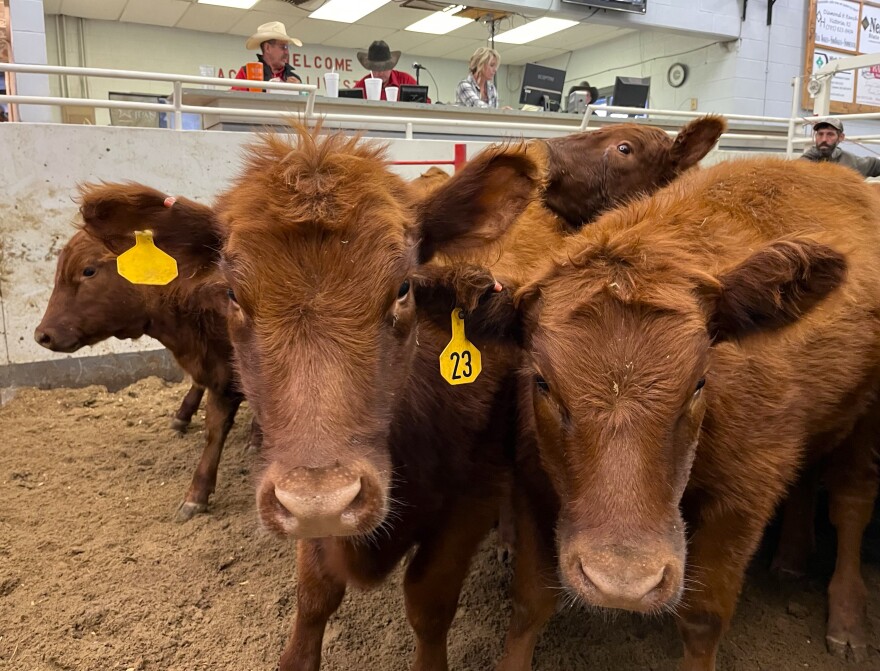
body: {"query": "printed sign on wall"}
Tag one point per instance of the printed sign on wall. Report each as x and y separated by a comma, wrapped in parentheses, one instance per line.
(843, 83)
(838, 29)
(837, 24)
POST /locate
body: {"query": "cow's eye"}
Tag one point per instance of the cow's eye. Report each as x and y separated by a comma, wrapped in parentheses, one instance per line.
(624, 148)
(89, 271)
(700, 384)
(403, 291)
(231, 294)
(542, 385)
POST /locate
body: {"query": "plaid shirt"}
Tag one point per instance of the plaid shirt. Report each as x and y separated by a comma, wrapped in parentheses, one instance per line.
(467, 93)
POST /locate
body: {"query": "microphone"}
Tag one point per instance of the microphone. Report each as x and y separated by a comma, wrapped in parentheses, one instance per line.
(417, 66)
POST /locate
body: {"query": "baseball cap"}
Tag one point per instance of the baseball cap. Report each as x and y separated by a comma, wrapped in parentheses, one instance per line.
(832, 121)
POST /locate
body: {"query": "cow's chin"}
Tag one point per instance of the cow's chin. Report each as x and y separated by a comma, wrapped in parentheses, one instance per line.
(302, 502)
(647, 577)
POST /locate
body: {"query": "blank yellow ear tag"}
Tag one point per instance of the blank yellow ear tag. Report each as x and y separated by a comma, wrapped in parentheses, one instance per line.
(460, 362)
(145, 263)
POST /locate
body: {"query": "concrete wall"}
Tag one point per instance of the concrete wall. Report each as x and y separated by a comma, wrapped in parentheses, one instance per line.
(38, 213)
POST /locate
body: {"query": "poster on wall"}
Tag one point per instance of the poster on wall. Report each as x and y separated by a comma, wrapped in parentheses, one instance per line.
(840, 29)
(868, 89)
(843, 83)
(869, 30)
(837, 24)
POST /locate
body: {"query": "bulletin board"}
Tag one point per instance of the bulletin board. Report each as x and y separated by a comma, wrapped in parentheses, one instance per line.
(837, 29)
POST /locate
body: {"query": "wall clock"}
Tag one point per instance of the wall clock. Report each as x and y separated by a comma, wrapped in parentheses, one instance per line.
(677, 74)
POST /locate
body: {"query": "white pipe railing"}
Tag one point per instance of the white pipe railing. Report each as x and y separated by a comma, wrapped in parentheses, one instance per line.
(176, 108)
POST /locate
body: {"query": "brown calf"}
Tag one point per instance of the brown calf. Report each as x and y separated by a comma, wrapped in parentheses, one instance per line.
(91, 302)
(368, 451)
(685, 355)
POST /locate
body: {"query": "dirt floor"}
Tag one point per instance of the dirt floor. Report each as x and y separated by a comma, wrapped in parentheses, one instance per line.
(95, 575)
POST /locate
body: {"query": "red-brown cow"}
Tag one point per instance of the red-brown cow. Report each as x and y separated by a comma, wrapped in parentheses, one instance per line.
(91, 302)
(368, 451)
(734, 279)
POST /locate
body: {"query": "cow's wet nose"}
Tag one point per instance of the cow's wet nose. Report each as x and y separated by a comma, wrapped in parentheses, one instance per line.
(641, 582)
(628, 589)
(317, 502)
(44, 339)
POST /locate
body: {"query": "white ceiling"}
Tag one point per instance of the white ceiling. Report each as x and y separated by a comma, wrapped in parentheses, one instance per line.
(386, 23)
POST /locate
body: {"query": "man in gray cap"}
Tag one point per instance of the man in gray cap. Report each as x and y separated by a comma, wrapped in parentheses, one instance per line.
(827, 134)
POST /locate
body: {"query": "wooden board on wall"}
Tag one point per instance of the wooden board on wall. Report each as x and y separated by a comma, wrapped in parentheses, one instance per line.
(837, 29)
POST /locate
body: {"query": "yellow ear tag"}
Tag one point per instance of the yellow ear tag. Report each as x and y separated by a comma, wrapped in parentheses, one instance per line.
(460, 362)
(145, 263)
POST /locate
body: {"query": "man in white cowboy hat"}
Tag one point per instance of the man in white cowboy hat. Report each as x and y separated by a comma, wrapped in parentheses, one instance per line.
(274, 43)
(380, 61)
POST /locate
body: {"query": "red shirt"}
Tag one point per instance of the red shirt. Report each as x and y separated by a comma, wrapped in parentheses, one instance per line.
(396, 78)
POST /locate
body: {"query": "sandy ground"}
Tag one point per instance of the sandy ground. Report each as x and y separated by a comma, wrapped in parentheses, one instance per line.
(95, 575)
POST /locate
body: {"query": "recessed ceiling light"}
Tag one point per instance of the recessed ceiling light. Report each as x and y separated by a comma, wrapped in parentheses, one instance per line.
(346, 11)
(238, 4)
(534, 30)
(442, 22)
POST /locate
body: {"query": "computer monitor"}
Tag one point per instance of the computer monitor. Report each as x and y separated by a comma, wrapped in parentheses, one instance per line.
(351, 93)
(549, 100)
(631, 91)
(413, 94)
(542, 86)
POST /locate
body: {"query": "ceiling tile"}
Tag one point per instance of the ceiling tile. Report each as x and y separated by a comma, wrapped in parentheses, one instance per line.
(392, 16)
(406, 41)
(282, 11)
(352, 37)
(251, 20)
(316, 31)
(107, 10)
(209, 18)
(154, 13)
(447, 43)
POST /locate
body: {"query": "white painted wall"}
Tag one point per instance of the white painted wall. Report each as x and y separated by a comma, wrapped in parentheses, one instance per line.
(28, 41)
(131, 46)
(749, 75)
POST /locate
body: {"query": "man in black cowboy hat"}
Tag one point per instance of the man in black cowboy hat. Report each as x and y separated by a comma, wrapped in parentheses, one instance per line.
(380, 61)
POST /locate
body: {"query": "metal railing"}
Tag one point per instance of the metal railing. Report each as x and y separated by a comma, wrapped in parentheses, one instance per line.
(786, 128)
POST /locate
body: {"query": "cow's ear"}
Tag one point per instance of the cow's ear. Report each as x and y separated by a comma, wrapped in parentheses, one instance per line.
(478, 204)
(487, 303)
(773, 287)
(181, 227)
(695, 140)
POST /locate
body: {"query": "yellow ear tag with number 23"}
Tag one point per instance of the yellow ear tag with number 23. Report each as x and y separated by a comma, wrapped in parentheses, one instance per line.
(145, 263)
(460, 362)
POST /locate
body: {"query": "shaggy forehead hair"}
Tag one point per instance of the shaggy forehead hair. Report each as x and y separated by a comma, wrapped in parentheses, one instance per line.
(310, 177)
(318, 221)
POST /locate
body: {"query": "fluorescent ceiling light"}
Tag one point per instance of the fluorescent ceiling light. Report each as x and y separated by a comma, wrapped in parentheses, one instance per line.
(534, 30)
(442, 22)
(346, 11)
(238, 4)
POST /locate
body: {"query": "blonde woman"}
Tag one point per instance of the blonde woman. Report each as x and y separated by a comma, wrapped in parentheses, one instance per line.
(478, 89)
